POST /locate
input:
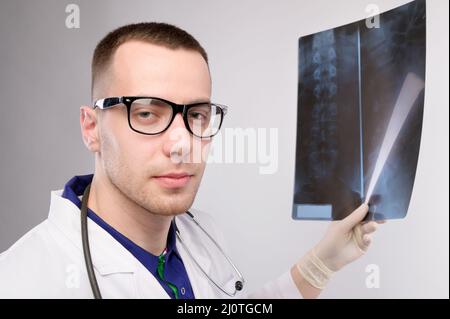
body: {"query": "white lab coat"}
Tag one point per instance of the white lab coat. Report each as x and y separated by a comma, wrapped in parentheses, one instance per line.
(48, 262)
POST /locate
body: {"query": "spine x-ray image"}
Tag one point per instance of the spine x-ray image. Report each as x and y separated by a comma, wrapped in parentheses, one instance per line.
(359, 120)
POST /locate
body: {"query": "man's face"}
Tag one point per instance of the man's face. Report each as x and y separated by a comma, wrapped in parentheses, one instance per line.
(133, 162)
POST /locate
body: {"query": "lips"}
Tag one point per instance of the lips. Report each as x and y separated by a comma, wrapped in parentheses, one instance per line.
(174, 180)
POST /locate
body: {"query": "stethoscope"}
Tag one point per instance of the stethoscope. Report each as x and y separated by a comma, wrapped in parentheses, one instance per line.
(238, 285)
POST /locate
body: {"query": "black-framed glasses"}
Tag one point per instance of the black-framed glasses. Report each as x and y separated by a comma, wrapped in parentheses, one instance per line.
(152, 115)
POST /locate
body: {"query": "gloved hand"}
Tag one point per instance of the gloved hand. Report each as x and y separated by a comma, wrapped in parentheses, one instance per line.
(345, 241)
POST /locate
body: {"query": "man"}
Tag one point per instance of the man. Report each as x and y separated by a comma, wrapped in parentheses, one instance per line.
(151, 116)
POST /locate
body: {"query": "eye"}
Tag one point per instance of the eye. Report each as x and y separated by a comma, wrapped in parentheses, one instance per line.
(200, 113)
(197, 115)
(144, 114)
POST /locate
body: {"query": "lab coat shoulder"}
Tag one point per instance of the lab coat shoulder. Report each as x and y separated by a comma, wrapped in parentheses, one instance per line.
(208, 222)
(25, 268)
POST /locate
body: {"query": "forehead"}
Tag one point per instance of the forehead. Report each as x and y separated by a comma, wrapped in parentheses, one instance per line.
(140, 68)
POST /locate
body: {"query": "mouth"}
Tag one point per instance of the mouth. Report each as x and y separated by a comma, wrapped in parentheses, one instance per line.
(173, 180)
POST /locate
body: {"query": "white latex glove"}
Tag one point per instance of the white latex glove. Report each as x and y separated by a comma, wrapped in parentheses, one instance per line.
(345, 241)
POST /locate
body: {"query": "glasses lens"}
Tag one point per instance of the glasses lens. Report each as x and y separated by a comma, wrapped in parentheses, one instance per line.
(150, 116)
(204, 119)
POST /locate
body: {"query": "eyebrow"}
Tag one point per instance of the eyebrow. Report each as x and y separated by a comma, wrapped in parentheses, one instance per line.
(195, 101)
(200, 101)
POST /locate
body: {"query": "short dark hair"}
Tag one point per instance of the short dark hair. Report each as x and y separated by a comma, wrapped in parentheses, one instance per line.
(157, 33)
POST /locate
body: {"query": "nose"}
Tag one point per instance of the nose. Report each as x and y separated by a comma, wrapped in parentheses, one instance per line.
(178, 141)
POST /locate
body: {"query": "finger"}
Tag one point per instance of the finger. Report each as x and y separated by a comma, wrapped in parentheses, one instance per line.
(358, 238)
(367, 240)
(381, 221)
(355, 217)
(369, 227)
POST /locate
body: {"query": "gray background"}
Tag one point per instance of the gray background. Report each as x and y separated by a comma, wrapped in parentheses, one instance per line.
(253, 48)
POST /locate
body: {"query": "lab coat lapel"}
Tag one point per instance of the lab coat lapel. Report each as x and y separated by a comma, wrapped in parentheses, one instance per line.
(147, 286)
(200, 284)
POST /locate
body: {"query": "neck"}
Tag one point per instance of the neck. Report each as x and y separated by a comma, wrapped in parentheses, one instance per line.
(142, 227)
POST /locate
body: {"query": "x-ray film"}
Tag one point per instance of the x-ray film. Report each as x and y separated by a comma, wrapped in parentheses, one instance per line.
(359, 120)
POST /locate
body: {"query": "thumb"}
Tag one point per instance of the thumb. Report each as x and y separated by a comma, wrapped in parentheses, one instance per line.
(355, 217)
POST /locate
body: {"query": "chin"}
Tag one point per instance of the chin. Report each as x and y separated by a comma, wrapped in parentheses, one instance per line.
(174, 204)
(174, 210)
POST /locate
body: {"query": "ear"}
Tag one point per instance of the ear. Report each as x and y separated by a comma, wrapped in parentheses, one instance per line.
(89, 128)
